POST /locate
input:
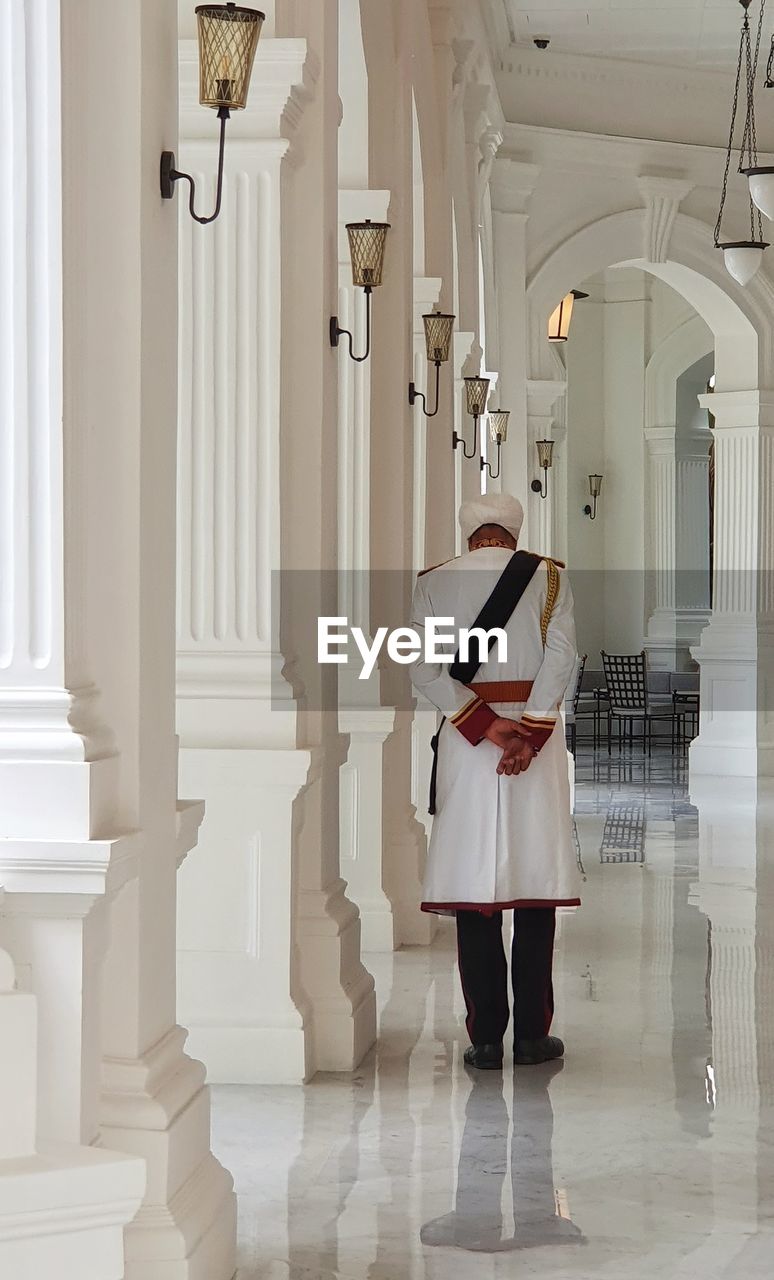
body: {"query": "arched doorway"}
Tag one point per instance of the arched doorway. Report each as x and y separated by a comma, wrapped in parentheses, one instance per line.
(734, 651)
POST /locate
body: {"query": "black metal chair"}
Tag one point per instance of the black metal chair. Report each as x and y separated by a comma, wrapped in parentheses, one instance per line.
(572, 705)
(685, 688)
(630, 702)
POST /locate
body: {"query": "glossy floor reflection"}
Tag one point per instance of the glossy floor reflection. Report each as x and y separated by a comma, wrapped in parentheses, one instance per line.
(649, 1154)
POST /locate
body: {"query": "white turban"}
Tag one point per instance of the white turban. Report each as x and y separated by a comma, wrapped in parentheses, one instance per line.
(492, 508)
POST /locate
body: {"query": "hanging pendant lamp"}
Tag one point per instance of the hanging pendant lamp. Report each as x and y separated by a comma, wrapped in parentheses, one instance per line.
(743, 258)
(761, 177)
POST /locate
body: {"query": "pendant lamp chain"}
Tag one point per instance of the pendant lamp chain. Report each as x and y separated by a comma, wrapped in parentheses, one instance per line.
(747, 66)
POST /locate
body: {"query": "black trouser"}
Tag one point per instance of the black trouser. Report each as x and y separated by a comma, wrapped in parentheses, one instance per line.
(484, 973)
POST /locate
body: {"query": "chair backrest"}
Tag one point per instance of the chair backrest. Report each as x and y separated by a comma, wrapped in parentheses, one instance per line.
(579, 681)
(626, 677)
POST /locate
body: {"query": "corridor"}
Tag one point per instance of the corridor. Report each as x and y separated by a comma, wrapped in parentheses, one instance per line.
(650, 1153)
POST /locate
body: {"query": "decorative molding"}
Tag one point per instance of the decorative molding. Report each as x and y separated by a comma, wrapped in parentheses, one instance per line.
(662, 197)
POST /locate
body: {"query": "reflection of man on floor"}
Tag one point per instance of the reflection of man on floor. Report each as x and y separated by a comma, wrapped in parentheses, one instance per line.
(502, 836)
(476, 1222)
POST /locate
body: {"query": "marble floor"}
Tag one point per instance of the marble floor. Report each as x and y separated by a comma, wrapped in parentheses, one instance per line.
(648, 1154)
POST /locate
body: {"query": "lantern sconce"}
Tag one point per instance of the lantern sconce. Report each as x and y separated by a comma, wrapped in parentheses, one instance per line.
(545, 449)
(367, 241)
(476, 395)
(498, 432)
(561, 318)
(438, 335)
(595, 488)
(228, 39)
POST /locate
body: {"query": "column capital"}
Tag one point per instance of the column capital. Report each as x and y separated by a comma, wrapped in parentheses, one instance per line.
(427, 292)
(285, 74)
(661, 441)
(740, 408)
(542, 395)
(513, 182)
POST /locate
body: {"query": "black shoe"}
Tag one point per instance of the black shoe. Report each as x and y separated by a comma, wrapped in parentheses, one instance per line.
(528, 1053)
(485, 1057)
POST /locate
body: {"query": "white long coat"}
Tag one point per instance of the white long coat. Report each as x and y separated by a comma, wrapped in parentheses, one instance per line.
(499, 842)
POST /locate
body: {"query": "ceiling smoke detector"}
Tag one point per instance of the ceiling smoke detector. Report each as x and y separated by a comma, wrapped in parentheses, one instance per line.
(541, 42)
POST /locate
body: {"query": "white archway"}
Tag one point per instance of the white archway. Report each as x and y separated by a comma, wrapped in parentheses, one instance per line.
(740, 319)
(679, 351)
(735, 654)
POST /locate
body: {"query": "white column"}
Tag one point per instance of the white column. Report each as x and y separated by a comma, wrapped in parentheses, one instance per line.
(736, 650)
(52, 744)
(678, 544)
(62, 1210)
(360, 716)
(466, 355)
(428, 432)
(542, 396)
(512, 185)
(236, 714)
(328, 980)
(89, 748)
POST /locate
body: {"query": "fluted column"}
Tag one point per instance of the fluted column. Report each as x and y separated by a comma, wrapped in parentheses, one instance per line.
(736, 650)
(89, 794)
(251, 998)
(466, 355)
(366, 723)
(678, 489)
(513, 182)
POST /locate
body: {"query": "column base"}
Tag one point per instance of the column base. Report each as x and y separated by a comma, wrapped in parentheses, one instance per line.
(672, 633)
(235, 901)
(157, 1107)
(343, 1022)
(736, 735)
(360, 822)
(64, 1211)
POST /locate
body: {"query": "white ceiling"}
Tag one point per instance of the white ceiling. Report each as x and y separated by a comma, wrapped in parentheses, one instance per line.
(687, 33)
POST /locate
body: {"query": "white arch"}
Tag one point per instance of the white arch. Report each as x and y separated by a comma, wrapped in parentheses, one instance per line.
(740, 319)
(679, 351)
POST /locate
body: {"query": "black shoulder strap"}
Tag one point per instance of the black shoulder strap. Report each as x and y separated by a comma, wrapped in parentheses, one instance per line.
(498, 609)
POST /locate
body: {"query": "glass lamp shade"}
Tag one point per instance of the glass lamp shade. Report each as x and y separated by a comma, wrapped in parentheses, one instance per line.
(595, 486)
(498, 425)
(762, 189)
(743, 259)
(367, 241)
(228, 39)
(476, 393)
(545, 450)
(438, 336)
(559, 324)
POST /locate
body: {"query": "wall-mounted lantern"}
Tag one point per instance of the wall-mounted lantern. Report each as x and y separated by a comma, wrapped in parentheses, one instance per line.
(228, 39)
(438, 336)
(561, 318)
(498, 433)
(595, 488)
(476, 395)
(545, 450)
(367, 241)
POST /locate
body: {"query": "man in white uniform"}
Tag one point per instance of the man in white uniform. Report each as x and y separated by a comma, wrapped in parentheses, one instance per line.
(502, 837)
